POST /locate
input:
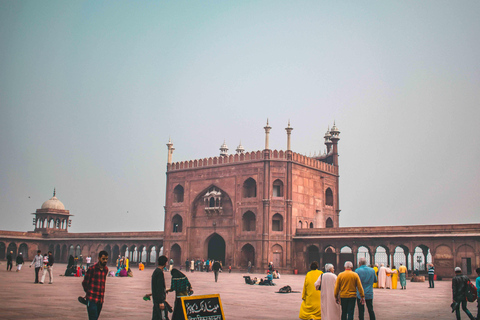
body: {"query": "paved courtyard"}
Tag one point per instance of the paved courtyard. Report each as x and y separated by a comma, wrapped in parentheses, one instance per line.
(20, 298)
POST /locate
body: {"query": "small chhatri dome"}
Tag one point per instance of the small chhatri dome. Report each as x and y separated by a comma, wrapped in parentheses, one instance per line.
(334, 131)
(224, 149)
(240, 148)
(53, 203)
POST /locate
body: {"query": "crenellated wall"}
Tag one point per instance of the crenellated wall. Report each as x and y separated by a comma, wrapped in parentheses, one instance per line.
(252, 156)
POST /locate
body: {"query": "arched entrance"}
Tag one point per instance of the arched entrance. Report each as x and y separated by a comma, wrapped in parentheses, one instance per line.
(216, 248)
(176, 254)
(248, 254)
(313, 255)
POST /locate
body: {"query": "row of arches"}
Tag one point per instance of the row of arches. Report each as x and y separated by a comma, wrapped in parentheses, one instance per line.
(12, 246)
(305, 224)
(51, 223)
(249, 190)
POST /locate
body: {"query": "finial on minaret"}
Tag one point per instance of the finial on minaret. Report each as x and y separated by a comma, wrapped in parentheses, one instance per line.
(240, 149)
(54, 191)
(289, 132)
(223, 149)
(267, 132)
(170, 150)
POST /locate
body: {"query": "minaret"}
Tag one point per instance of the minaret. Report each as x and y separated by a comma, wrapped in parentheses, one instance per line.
(335, 137)
(170, 151)
(267, 133)
(223, 149)
(240, 149)
(328, 142)
(289, 132)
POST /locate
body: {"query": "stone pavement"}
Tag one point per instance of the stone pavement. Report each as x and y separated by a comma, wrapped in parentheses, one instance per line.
(20, 298)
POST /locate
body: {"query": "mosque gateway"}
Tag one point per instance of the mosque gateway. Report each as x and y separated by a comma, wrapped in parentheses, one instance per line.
(260, 206)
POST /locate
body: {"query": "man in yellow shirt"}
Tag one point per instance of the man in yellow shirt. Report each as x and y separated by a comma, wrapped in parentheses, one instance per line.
(403, 273)
(348, 282)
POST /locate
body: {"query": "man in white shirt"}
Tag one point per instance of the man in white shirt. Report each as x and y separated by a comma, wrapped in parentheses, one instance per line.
(38, 261)
(88, 259)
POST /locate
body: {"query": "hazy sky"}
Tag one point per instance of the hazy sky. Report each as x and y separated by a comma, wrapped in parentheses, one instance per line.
(91, 91)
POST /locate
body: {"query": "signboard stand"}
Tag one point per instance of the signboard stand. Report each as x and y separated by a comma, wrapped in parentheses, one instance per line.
(204, 307)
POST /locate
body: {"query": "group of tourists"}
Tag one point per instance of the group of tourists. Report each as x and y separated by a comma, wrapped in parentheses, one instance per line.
(327, 296)
(198, 265)
(123, 267)
(75, 267)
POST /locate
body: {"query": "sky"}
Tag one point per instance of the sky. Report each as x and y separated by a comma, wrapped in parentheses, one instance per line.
(91, 91)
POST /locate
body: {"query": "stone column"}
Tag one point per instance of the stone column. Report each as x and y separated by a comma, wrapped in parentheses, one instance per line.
(290, 228)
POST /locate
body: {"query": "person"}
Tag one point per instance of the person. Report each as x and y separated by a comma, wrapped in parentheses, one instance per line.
(187, 265)
(216, 268)
(44, 268)
(38, 262)
(71, 262)
(48, 268)
(388, 281)
(269, 280)
(171, 264)
(80, 261)
(159, 291)
(119, 262)
(330, 310)
(94, 285)
(192, 266)
(9, 261)
(182, 288)
(403, 273)
(19, 262)
(130, 272)
(394, 278)
(229, 268)
(459, 286)
(311, 304)
(382, 276)
(249, 266)
(416, 272)
(477, 282)
(123, 272)
(88, 260)
(375, 267)
(348, 282)
(367, 278)
(141, 266)
(431, 275)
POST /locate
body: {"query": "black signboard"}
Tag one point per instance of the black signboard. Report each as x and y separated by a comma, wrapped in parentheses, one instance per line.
(205, 307)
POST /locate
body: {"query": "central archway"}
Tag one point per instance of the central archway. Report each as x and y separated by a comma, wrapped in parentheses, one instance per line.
(216, 248)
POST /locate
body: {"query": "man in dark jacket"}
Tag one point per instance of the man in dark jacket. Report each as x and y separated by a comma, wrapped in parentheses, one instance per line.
(216, 268)
(19, 261)
(9, 261)
(459, 285)
(159, 291)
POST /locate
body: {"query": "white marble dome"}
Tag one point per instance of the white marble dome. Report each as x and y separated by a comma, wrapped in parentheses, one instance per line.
(53, 203)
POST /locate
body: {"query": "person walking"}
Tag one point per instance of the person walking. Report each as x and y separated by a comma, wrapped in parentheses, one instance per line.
(182, 288)
(19, 262)
(431, 275)
(249, 266)
(330, 310)
(348, 282)
(367, 278)
(459, 286)
(477, 282)
(403, 274)
(159, 292)
(192, 266)
(94, 285)
(38, 262)
(49, 268)
(311, 304)
(88, 260)
(9, 261)
(216, 268)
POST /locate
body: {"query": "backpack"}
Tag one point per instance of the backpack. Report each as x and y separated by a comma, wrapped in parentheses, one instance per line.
(471, 292)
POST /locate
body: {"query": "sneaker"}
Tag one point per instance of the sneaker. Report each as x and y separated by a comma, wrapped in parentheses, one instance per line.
(82, 300)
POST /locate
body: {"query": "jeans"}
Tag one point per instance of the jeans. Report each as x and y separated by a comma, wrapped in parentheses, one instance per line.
(464, 308)
(361, 309)
(93, 310)
(9, 265)
(348, 308)
(36, 274)
(430, 281)
(216, 275)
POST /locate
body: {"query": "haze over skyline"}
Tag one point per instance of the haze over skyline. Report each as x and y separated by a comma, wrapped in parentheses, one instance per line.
(91, 91)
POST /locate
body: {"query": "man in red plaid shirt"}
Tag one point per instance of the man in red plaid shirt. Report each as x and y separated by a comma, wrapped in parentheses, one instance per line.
(94, 285)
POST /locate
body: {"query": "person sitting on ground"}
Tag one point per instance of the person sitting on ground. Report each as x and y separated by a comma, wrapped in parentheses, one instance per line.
(123, 272)
(269, 279)
(141, 266)
(130, 272)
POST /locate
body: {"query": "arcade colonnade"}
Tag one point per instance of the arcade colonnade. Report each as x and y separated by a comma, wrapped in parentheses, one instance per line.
(446, 246)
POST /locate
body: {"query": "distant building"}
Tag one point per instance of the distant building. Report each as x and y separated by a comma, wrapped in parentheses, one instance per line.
(261, 206)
